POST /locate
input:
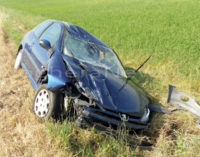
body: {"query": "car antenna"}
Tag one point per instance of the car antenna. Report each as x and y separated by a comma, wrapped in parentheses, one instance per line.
(130, 77)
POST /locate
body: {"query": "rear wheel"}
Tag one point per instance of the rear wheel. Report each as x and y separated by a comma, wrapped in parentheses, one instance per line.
(46, 103)
(18, 60)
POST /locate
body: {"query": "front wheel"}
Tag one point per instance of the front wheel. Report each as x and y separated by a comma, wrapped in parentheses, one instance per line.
(18, 60)
(46, 103)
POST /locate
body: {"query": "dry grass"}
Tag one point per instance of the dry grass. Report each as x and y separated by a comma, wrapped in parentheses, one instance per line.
(21, 134)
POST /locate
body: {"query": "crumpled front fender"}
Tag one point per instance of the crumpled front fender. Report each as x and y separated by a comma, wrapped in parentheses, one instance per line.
(57, 73)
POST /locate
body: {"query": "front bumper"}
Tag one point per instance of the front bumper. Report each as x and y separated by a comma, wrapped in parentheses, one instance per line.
(107, 118)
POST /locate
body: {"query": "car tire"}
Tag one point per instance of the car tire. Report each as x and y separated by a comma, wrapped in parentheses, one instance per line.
(46, 104)
(18, 60)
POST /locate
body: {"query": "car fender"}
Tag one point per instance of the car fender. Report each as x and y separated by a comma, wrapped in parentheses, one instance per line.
(57, 72)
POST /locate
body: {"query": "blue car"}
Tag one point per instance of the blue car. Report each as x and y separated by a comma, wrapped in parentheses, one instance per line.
(73, 72)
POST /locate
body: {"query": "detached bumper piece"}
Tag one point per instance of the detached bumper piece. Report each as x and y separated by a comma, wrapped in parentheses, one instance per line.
(106, 119)
(181, 101)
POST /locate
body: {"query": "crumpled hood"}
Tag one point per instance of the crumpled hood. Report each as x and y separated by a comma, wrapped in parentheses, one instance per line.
(104, 87)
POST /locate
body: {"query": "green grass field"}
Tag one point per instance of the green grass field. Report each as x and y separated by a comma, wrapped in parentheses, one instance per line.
(167, 29)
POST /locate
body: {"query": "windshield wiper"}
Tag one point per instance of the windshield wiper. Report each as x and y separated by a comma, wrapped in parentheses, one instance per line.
(130, 77)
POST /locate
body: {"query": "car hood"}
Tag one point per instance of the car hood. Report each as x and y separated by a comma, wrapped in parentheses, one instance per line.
(106, 89)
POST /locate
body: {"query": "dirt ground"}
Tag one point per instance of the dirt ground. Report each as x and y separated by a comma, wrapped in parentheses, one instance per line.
(21, 133)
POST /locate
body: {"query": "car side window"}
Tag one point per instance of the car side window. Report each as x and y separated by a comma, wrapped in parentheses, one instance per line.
(52, 34)
(41, 27)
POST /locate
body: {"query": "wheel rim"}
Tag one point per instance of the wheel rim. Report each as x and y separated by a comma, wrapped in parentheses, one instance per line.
(42, 103)
(18, 60)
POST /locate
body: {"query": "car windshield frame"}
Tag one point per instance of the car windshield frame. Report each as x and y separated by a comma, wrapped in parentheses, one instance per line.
(94, 45)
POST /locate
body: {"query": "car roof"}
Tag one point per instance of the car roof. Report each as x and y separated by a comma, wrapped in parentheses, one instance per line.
(83, 34)
(80, 32)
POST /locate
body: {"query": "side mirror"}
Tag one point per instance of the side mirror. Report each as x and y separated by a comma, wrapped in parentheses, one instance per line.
(45, 44)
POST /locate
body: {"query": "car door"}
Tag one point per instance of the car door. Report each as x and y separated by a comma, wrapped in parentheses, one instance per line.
(42, 55)
(29, 60)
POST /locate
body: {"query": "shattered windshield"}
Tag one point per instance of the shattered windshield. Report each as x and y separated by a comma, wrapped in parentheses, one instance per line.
(92, 53)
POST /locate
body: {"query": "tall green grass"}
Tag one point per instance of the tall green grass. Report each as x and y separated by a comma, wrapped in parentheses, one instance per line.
(169, 29)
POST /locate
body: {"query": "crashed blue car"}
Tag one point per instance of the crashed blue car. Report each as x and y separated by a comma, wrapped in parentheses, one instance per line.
(72, 70)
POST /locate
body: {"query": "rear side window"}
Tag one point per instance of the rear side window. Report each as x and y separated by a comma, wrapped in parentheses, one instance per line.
(52, 34)
(41, 27)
